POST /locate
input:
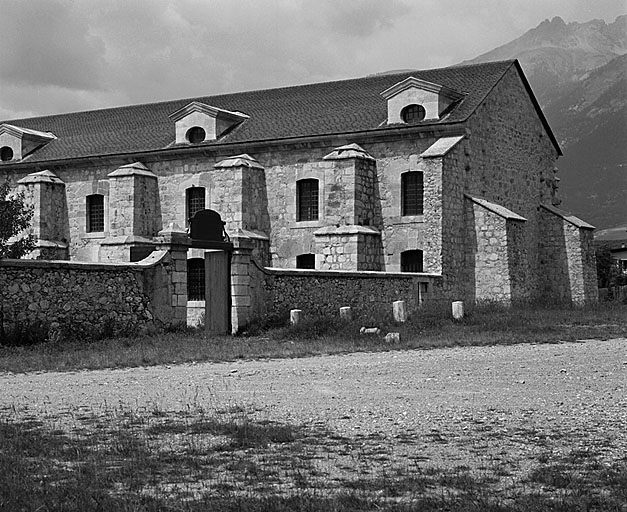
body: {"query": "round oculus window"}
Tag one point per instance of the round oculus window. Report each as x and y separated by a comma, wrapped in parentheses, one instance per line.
(6, 153)
(195, 135)
(413, 114)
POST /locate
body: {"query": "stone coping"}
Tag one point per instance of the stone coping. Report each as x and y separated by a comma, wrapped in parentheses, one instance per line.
(150, 261)
(568, 217)
(357, 274)
(352, 229)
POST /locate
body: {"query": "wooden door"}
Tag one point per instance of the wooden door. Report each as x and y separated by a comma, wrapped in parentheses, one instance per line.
(218, 292)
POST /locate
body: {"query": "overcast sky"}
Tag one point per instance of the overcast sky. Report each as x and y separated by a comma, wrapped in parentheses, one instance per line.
(69, 55)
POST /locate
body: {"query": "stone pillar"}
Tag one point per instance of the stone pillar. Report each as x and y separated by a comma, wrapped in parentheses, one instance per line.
(134, 211)
(350, 241)
(175, 240)
(239, 194)
(46, 193)
(241, 294)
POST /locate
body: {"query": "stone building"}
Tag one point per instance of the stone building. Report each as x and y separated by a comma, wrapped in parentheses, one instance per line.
(449, 172)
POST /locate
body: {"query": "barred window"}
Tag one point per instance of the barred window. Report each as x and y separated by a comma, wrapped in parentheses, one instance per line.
(95, 213)
(307, 200)
(195, 201)
(196, 279)
(306, 261)
(412, 193)
(411, 261)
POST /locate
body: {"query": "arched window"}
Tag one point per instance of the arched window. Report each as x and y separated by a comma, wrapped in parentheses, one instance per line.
(411, 261)
(413, 114)
(307, 200)
(95, 213)
(194, 201)
(196, 279)
(412, 193)
(306, 261)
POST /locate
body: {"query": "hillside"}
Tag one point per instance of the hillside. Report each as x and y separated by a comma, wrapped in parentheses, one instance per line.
(578, 72)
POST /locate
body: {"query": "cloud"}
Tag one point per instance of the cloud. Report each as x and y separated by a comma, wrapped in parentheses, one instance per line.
(63, 55)
(45, 43)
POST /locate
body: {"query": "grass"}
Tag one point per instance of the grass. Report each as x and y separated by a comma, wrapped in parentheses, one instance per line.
(431, 327)
(236, 459)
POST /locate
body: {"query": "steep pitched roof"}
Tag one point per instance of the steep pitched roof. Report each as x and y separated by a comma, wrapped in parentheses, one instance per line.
(291, 112)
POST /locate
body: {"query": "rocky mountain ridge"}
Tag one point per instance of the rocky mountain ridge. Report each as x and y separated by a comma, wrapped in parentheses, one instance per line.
(578, 72)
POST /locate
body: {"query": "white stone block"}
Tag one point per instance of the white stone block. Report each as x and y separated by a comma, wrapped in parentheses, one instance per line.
(458, 310)
(393, 337)
(346, 314)
(400, 311)
(295, 315)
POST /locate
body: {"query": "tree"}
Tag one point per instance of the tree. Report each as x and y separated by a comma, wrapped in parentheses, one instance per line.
(15, 217)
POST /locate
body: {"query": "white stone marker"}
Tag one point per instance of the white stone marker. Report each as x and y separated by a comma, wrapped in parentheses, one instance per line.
(295, 316)
(370, 330)
(393, 337)
(458, 310)
(400, 312)
(346, 314)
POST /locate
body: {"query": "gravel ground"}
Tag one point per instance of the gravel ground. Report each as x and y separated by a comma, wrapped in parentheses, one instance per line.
(499, 413)
(571, 385)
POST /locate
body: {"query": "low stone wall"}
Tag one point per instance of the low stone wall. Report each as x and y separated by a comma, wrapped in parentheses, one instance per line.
(61, 298)
(369, 294)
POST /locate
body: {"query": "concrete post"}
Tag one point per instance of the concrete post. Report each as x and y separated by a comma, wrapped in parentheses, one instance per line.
(400, 311)
(346, 314)
(295, 316)
(458, 310)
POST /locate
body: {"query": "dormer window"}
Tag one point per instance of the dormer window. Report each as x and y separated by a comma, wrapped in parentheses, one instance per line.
(16, 143)
(413, 100)
(6, 154)
(196, 123)
(196, 135)
(413, 114)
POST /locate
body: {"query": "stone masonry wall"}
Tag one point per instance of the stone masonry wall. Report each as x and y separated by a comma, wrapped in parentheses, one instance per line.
(492, 277)
(63, 297)
(369, 294)
(506, 158)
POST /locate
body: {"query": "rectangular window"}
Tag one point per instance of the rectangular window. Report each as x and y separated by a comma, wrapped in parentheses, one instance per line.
(306, 261)
(195, 279)
(411, 261)
(412, 193)
(95, 213)
(195, 201)
(307, 200)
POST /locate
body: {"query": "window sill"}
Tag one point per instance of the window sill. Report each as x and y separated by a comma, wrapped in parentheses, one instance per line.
(409, 219)
(303, 224)
(94, 236)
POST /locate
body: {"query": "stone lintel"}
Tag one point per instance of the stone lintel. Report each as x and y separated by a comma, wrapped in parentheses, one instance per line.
(568, 217)
(242, 160)
(349, 151)
(441, 147)
(135, 169)
(41, 177)
(352, 229)
(496, 208)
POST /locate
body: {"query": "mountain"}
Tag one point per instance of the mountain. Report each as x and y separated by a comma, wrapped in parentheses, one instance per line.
(578, 72)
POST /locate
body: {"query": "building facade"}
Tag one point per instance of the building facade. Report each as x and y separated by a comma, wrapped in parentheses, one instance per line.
(449, 172)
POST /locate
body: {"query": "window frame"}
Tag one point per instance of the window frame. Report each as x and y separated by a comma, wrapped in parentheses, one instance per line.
(413, 265)
(308, 200)
(412, 206)
(306, 261)
(202, 193)
(196, 279)
(95, 217)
